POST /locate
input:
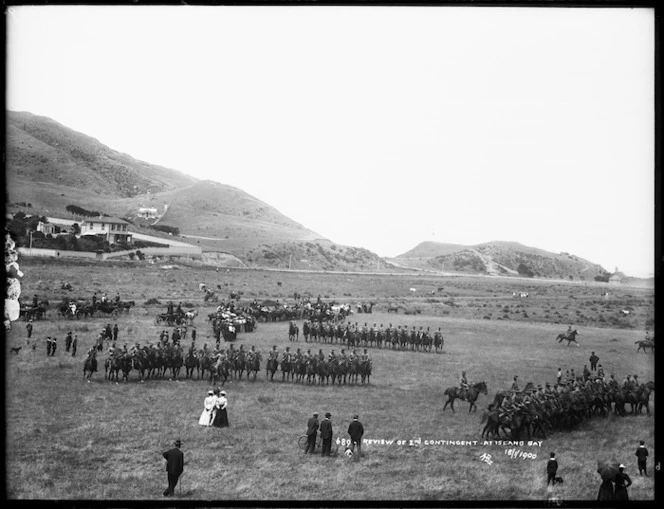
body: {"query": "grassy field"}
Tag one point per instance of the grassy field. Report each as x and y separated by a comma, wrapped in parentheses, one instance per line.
(67, 439)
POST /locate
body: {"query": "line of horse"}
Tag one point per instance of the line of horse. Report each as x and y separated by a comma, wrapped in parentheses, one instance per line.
(157, 363)
(352, 336)
(77, 308)
(314, 370)
(565, 409)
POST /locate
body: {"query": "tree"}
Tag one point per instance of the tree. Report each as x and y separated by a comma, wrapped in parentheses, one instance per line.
(524, 270)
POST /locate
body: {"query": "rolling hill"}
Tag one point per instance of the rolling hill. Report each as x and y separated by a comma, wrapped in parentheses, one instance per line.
(500, 258)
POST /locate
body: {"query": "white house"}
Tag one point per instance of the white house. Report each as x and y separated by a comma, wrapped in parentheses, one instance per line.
(114, 229)
(148, 212)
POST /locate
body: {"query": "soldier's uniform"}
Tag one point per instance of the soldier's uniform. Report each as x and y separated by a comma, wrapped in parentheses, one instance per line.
(463, 385)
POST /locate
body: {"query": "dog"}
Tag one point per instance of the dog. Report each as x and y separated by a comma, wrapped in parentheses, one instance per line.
(557, 480)
(16, 349)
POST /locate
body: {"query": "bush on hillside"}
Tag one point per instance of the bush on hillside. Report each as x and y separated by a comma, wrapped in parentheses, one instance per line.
(174, 230)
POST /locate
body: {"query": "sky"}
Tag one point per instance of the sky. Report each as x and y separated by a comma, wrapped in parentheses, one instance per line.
(376, 127)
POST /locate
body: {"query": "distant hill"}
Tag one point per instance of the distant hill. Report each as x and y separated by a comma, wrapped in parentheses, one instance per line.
(500, 258)
(50, 166)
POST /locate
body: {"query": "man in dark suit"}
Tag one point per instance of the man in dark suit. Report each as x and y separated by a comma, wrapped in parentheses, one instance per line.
(312, 431)
(326, 434)
(551, 469)
(174, 467)
(642, 458)
(356, 430)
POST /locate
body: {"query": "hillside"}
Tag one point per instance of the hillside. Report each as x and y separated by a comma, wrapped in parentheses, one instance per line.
(42, 150)
(50, 166)
(500, 258)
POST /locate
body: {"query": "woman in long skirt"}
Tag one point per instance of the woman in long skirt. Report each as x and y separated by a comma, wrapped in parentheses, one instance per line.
(216, 412)
(222, 414)
(208, 404)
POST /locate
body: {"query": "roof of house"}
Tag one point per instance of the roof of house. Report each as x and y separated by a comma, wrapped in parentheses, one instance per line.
(113, 220)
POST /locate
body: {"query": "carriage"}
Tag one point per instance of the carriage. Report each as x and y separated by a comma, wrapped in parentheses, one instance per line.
(170, 319)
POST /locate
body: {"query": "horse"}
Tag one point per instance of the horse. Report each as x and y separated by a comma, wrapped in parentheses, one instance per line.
(254, 365)
(124, 305)
(139, 363)
(300, 369)
(365, 371)
(311, 370)
(89, 367)
(189, 316)
(221, 369)
(392, 309)
(438, 341)
(471, 395)
(643, 397)
(569, 336)
(286, 373)
(271, 368)
(112, 367)
(191, 362)
(339, 371)
(239, 365)
(323, 372)
(645, 344)
(293, 331)
(175, 361)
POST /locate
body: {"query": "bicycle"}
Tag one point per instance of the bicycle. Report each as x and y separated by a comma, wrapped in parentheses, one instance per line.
(302, 445)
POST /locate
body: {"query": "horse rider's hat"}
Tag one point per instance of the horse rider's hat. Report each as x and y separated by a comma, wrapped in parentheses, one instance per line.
(210, 392)
(223, 393)
(328, 414)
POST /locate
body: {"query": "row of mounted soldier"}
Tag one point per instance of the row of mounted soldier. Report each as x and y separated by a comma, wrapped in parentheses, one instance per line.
(352, 334)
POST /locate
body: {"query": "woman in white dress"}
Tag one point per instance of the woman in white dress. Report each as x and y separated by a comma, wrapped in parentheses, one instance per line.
(206, 416)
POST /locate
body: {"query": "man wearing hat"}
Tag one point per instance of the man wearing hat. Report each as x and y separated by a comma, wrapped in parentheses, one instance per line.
(515, 384)
(174, 466)
(326, 434)
(312, 431)
(642, 457)
(356, 430)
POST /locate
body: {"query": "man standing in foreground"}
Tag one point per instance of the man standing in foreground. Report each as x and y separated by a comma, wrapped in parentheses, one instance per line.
(551, 469)
(642, 457)
(326, 434)
(312, 431)
(356, 430)
(174, 467)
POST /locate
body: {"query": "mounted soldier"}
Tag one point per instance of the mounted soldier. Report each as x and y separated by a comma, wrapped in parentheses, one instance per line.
(463, 385)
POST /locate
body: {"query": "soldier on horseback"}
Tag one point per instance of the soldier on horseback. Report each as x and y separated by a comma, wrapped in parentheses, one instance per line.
(274, 354)
(463, 385)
